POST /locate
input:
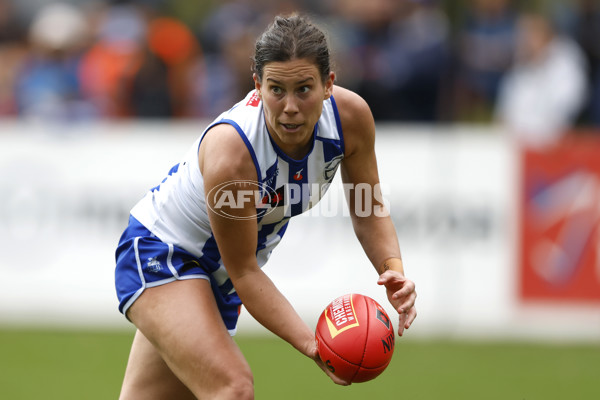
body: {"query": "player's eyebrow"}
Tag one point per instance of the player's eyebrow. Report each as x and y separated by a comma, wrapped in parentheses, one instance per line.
(303, 81)
(310, 78)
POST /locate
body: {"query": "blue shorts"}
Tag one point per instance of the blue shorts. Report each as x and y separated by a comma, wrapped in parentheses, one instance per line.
(144, 261)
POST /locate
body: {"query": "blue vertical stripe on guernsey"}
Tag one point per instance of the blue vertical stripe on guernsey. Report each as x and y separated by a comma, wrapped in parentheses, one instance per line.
(298, 190)
(268, 187)
(271, 176)
(210, 254)
(172, 171)
(210, 258)
(267, 230)
(331, 148)
(338, 123)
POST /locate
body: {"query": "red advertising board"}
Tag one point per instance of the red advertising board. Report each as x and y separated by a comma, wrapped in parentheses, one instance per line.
(560, 218)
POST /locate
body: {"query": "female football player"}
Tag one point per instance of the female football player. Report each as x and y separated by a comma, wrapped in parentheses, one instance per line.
(193, 251)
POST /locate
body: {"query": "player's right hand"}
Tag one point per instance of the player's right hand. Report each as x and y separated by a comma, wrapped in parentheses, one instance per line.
(314, 354)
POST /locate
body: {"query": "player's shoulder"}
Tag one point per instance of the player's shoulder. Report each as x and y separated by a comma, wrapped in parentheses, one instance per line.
(356, 119)
(352, 108)
(223, 151)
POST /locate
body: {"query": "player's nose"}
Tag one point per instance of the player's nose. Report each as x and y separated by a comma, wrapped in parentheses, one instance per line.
(290, 105)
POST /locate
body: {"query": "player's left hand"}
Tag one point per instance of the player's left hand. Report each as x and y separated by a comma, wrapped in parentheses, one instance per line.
(402, 295)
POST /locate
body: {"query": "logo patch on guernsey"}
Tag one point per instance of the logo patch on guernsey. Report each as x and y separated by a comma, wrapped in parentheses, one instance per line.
(340, 316)
(254, 100)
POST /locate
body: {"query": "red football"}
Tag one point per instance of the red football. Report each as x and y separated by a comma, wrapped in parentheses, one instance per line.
(355, 338)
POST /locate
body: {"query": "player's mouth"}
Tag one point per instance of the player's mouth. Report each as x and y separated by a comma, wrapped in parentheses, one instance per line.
(291, 127)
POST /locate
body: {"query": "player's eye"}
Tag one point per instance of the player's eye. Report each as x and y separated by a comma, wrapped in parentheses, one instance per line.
(304, 89)
(276, 90)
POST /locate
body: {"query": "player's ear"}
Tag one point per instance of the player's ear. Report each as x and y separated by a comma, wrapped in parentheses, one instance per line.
(257, 84)
(329, 85)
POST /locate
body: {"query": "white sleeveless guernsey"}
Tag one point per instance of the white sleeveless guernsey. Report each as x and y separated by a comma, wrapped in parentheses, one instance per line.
(175, 211)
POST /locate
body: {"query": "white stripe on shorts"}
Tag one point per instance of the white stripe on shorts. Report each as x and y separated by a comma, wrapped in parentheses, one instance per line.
(145, 284)
(170, 262)
(142, 279)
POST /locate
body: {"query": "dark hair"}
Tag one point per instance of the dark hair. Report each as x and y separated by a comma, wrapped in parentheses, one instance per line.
(291, 38)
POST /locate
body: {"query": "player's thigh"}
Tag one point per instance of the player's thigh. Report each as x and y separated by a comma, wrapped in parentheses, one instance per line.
(148, 377)
(182, 321)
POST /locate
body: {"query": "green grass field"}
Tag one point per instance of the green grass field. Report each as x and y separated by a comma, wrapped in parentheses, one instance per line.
(53, 364)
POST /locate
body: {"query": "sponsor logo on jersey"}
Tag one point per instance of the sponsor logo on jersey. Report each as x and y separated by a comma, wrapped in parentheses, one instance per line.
(298, 175)
(254, 100)
(340, 315)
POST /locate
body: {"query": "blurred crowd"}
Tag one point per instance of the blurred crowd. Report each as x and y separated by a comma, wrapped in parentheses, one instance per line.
(531, 65)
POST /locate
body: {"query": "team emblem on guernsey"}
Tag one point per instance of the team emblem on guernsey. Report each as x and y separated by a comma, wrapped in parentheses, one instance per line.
(340, 315)
(153, 265)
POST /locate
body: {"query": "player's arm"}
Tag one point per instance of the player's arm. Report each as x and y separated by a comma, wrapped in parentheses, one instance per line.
(224, 158)
(371, 221)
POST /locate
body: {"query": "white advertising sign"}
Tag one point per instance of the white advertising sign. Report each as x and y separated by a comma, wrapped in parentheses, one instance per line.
(66, 192)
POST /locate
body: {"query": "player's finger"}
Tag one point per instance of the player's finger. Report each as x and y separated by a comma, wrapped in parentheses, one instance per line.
(338, 381)
(411, 315)
(405, 302)
(408, 303)
(335, 379)
(401, 323)
(408, 287)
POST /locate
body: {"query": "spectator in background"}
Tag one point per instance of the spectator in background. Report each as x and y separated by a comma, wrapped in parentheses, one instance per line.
(424, 38)
(47, 86)
(11, 29)
(545, 89)
(227, 37)
(397, 50)
(161, 84)
(141, 64)
(13, 50)
(586, 31)
(109, 65)
(486, 43)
